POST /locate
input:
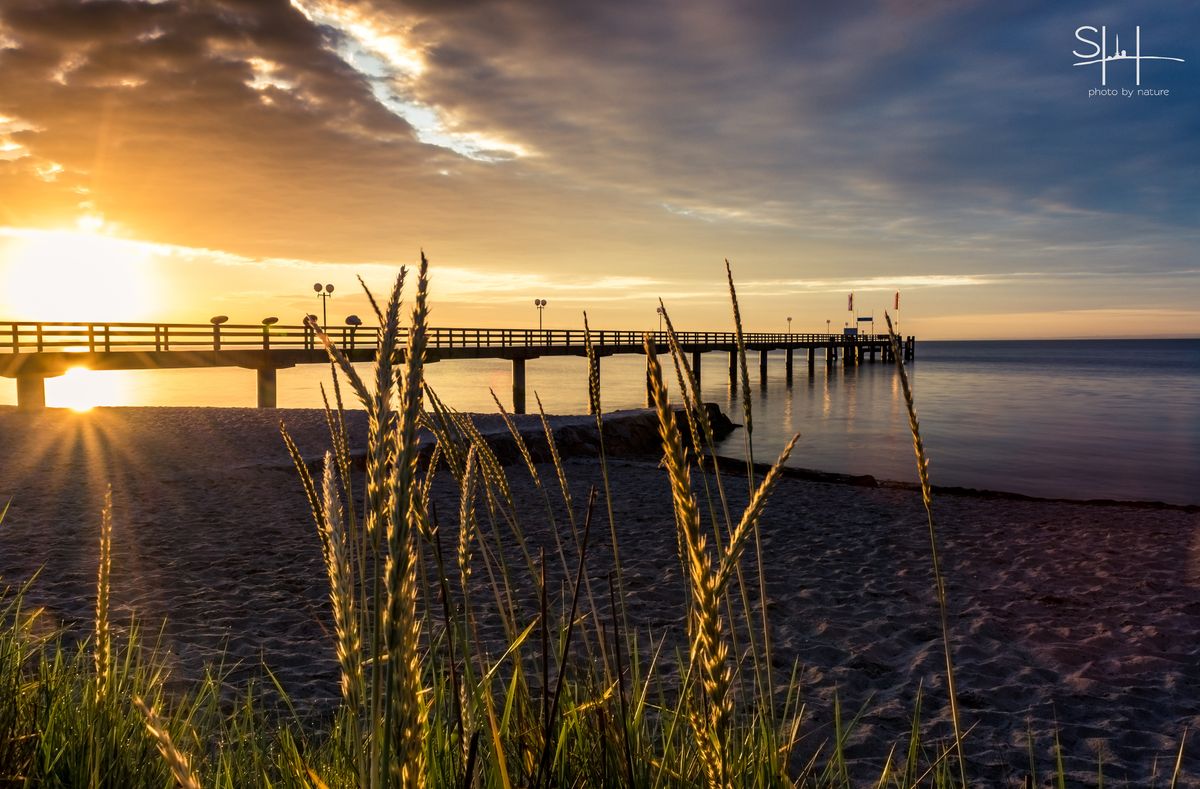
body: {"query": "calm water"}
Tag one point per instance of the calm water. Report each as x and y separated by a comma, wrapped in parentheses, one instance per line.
(1077, 419)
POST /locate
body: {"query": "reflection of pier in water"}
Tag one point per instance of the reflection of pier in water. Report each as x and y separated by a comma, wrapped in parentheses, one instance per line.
(33, 352)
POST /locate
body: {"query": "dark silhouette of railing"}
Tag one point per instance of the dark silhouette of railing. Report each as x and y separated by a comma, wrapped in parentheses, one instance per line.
(30, 337)
(32, 351)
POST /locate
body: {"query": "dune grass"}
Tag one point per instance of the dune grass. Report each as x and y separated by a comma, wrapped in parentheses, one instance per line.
(571, 694)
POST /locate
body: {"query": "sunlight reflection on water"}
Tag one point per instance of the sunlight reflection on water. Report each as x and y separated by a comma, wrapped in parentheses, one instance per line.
(1079, 420)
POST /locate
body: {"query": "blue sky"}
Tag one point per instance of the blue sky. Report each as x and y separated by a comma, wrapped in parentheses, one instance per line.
(602, 155)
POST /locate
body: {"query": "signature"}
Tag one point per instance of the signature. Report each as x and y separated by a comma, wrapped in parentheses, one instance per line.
(1100, 53)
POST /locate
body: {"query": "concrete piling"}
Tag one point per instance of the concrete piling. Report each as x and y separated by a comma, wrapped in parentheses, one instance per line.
(267, 387)
(518, 386)
(31, 392)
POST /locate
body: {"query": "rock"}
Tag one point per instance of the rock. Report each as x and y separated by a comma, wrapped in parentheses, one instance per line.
(626, 434)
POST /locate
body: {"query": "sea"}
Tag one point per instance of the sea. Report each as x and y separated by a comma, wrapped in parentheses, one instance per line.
(1076, 419)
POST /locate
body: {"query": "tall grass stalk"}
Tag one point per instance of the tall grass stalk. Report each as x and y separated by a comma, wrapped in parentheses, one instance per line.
(747, 411)
(181, 767)
(102, 635)
(102, 639)
(1175, 773)
(387, 722)
(703, 440)
(749, 428)
(710, 714)
(404, 709)
(596, 407)
(342, 594)
(927, 499)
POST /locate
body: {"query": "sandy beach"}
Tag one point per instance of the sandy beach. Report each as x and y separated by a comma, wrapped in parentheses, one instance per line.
(1067, 615)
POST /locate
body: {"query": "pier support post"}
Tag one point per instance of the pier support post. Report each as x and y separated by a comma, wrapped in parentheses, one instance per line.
(733, 369)
(696, 366)
(267, 387)
(848, 355)
(787, 365)
(762, 366)
(593, 374)
(518, 383)
(31, 392)
(812, 358)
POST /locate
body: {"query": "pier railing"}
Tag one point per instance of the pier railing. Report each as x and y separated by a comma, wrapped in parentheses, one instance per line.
(30, 337)
(31, 351)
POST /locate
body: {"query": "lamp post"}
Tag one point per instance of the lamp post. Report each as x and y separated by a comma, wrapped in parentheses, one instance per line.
(324, 293)
(789, 324)
(216, 322)
(827, 326)
(541, 305)
(661, 312)
(267, 323)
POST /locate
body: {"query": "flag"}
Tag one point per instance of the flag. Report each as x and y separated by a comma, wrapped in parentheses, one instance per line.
(897, 300)
(850, 304)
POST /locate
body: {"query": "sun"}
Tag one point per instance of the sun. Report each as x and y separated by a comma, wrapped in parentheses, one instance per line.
(81, 389)
(81, 274)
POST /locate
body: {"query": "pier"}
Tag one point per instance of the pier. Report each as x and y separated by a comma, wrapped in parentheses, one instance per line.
(32, 352)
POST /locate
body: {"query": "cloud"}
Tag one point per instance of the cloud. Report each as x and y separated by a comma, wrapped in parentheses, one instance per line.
(843, 120)
(450, 283)
(868, 284)
(552, 141)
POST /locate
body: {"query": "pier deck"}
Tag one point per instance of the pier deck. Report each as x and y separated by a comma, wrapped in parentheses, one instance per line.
(31, 352)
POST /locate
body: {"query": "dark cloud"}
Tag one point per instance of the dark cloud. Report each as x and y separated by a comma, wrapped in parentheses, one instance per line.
(930, 104)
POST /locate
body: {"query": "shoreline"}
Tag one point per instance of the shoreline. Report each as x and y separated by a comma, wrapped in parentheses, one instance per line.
(733, 465)
(492, 427)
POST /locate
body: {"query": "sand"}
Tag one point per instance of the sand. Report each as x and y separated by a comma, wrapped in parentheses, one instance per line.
(1078, 616)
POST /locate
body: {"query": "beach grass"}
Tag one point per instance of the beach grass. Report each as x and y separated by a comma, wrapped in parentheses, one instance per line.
(467, 655)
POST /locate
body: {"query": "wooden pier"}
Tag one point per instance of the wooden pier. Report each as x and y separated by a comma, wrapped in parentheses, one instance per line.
(32, 352)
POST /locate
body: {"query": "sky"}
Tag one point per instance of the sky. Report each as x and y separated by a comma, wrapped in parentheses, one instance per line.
(171, 161)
